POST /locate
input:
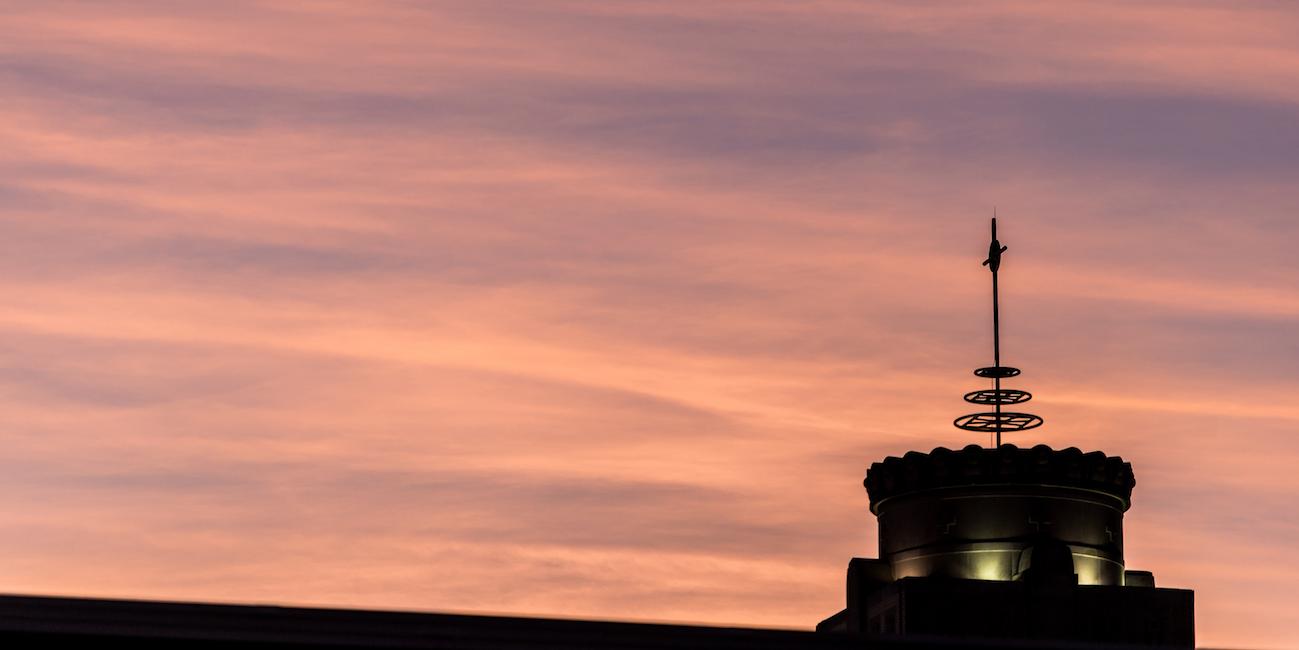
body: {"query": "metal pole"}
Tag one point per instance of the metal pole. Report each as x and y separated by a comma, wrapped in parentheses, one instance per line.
(996, 345)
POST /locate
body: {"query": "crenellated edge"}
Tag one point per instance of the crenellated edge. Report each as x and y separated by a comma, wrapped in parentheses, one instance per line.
(1007, 464)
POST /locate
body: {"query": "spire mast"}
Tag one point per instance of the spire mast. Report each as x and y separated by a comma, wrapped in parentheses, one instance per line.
(997, 421)
(994, 262)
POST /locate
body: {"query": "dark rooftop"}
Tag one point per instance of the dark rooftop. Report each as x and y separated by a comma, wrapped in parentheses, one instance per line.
(28, 621)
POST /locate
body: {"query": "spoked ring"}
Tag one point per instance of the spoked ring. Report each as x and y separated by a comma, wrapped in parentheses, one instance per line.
(998, 396)
(1004, 421)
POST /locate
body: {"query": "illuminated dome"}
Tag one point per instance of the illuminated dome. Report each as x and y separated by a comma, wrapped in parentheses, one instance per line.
(978, 513)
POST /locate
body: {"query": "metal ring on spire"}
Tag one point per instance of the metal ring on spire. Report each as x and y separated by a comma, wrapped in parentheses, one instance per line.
(998, 396)
(996, 372)
(1003, 421)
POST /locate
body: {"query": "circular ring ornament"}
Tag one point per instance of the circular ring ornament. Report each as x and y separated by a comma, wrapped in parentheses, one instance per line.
(995, 396)
(1004, 421)
(997, 372)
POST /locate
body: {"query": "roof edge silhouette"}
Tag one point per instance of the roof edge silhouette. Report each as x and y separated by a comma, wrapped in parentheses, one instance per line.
(1005, 465)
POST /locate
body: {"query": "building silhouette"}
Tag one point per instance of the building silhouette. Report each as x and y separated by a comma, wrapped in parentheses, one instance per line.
(979, 548)
(1006, 543)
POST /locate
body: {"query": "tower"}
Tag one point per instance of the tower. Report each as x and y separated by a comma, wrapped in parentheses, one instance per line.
(1005, 542)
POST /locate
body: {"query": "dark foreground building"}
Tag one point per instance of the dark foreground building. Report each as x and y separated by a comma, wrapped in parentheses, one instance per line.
(1007, 543)
(30, 622)
(982, 548)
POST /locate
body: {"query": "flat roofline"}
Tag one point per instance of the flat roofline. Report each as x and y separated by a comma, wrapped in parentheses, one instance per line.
(38, 621)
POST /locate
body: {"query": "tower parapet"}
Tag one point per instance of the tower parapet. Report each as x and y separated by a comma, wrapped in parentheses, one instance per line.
(1007, 464)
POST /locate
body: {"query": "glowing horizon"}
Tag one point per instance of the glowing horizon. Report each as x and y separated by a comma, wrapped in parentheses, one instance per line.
(602, 310)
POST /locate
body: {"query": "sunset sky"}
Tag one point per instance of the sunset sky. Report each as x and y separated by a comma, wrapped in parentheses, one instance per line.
(602, 309)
